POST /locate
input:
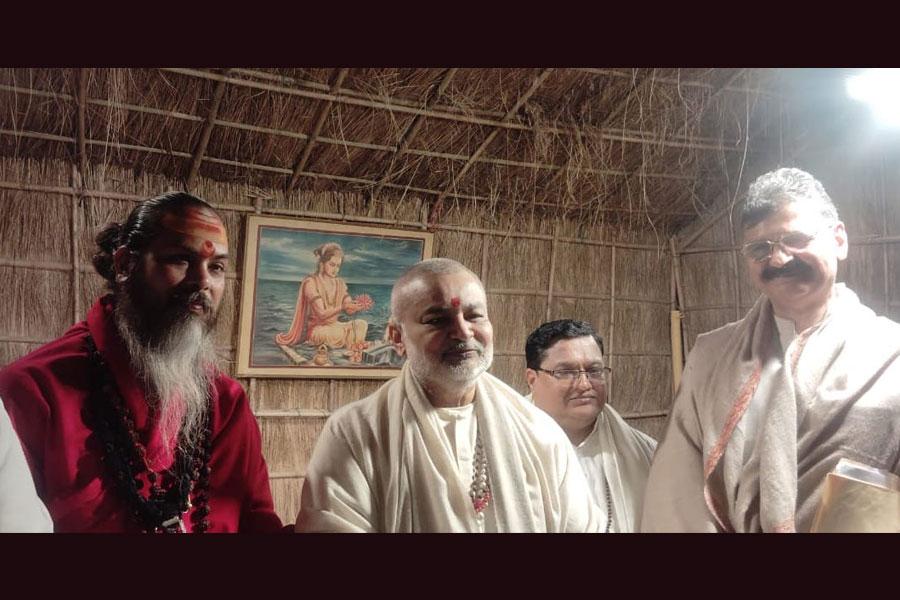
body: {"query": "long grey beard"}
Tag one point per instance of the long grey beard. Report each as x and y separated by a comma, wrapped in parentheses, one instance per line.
(176, 372)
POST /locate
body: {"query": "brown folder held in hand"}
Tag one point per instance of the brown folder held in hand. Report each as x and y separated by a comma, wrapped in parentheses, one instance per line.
(859, 499)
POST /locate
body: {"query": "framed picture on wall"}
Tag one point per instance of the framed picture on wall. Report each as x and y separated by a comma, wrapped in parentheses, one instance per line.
(315, 298)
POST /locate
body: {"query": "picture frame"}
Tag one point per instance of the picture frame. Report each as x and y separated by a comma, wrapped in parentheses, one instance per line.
(315, 299)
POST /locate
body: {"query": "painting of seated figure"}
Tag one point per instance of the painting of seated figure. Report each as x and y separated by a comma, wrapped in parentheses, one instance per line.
(316, 298)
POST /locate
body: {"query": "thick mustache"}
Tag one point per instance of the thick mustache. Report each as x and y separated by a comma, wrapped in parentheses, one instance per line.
(795, 268)
(183, 301)
(463, 347)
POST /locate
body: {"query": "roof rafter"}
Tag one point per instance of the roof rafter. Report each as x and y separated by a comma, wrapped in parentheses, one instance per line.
(81, 127)
(331, 141)
(718, 89)
(413, 129)
(283, 171)
(300, 165)
(205, 133)
(437, 207)
(625, 136)
(607, 121)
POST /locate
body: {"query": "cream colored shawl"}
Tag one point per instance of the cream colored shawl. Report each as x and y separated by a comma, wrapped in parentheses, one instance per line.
(20, 508)
(381, 465)
(622, 454)
(834, 392)
(618, 455)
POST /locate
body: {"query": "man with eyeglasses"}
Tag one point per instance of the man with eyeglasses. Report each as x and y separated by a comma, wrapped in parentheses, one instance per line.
(769, 405)
(567, 377)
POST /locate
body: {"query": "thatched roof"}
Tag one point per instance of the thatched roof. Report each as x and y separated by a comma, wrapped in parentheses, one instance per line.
(649, 148)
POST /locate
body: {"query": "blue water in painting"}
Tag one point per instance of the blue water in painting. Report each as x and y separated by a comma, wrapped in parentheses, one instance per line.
(275, 304)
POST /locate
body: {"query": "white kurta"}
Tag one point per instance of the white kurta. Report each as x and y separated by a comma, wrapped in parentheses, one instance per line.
(20, 508)
(756, 426)
(386, 463)
(617, 455)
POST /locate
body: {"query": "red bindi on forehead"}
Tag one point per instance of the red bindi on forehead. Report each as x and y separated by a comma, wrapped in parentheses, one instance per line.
(198, 223)
(454, 302)
(207, 249)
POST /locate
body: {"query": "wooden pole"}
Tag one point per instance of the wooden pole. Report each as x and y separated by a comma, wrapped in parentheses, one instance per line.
(884, 234)
(203, 141)
(75, 232)
(612, 320)
(676, 330)
(78, 177)
(554, 245)
(412, 130)
(300, 165)
(253, 386)
(81, 101)
(737, 275)
(484, 258)
(457, 177)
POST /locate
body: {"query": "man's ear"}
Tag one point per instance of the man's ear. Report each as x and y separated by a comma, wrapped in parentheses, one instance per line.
(123, 261)
(530, 376)
(395, 335)
(840, 237)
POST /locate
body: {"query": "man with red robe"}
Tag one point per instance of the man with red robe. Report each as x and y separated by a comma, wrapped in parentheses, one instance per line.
(126, 421)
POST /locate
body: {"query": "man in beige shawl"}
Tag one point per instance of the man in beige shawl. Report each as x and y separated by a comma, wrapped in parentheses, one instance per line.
(445, 446)
(567, 376)
(768, 405)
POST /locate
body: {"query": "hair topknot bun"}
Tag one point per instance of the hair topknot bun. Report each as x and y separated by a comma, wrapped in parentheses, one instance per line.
(107, 243)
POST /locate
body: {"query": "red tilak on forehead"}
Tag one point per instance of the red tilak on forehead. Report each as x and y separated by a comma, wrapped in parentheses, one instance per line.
(196, 223)
(208, 249)
(454, 302)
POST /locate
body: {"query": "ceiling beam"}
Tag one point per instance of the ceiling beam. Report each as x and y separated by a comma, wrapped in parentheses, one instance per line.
(682, 82)
(331, 141)
(81, 124)
(365, 183)
(437, 207)
(205, 133)
(611, 116)
(718, 89)
(413, 129)
(715, 91)
(613, 135)
(300, 165)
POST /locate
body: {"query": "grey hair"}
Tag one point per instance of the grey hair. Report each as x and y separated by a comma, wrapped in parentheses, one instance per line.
(431, 266)
(773, 190)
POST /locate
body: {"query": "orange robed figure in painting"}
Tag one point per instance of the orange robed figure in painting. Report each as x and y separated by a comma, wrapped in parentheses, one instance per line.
(322, 298)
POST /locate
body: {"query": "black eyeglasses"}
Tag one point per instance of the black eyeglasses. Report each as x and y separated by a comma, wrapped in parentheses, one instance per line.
(598, 374)
(761, 250)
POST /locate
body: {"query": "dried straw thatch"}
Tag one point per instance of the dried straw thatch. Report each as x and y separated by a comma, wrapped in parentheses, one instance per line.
(635, 146)
(561, 187)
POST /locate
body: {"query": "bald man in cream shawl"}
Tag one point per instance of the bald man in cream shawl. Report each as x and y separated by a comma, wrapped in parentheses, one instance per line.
(444, 447)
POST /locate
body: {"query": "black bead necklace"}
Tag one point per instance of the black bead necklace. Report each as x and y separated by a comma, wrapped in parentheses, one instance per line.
(169, 497)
